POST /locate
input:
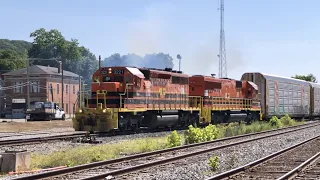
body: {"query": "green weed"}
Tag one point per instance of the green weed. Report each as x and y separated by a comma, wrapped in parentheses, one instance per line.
(214, 163)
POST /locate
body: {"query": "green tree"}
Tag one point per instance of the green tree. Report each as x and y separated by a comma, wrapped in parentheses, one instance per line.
(309, 77)
(52, 44)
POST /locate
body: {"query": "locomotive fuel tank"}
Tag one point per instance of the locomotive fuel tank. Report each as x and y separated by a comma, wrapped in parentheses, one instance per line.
(160, 119)
(166, 120)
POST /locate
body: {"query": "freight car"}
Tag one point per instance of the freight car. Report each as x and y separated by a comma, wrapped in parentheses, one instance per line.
(129, 98)
(282, 95)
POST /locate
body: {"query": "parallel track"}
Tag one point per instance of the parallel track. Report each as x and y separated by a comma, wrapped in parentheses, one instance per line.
(27, 133)
(284, 164)
(41, 139)
(309, 169)
(125, 165)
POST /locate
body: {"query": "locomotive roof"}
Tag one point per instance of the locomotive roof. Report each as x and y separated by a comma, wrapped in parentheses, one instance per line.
(168, 73)
(136, 72)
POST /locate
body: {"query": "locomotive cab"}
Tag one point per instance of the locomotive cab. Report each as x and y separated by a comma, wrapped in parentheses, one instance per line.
(112, 82)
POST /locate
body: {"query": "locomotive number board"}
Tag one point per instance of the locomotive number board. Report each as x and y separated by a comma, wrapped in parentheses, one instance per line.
(114, 71)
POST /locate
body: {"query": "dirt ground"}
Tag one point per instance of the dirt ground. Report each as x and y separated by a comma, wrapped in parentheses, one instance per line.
(33, 126)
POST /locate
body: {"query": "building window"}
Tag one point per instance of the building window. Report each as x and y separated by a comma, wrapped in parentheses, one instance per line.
(74, 89)
(57, 88)
(74, 108)
(67, 108)
(66, 88)
(35, 87)
(50, 89)
(17, 87)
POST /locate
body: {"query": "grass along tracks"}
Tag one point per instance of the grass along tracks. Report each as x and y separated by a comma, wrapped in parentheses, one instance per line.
(281, 165)
(132, 163)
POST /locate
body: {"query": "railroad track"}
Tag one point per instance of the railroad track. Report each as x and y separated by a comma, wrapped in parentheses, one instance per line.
(4, 135)
(22, 141)
(129, 164)
(284, 164)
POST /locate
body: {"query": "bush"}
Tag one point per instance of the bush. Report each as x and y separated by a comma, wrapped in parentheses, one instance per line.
(173, 139)
(287, 121)
(214, 163)
(196, 135)
(274, 121)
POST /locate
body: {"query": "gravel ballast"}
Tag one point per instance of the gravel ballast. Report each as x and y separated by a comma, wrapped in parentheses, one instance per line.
(197, 167)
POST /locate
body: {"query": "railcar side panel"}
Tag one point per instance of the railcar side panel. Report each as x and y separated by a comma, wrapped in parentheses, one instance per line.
(315, 100)
(284, 95)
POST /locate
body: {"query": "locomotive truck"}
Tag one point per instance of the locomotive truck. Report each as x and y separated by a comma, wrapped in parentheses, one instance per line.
(130, 98)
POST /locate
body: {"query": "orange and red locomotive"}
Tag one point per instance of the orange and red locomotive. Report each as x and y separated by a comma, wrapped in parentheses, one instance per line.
(128, 98)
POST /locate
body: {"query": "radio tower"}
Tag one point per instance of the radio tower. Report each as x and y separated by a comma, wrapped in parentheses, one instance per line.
(222, 51)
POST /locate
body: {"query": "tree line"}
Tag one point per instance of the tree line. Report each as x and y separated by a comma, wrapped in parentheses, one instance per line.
(51, 44)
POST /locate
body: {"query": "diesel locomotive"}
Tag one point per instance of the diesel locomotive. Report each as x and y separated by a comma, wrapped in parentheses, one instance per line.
(131, 98)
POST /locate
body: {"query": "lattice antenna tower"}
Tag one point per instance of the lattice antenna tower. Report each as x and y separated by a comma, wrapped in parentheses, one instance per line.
(222, 51)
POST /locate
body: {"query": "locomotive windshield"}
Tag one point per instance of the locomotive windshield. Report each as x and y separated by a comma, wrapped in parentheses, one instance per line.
(112, 79)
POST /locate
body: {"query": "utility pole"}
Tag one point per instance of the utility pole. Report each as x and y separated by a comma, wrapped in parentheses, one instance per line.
(222, 51)
(62, 83)
(83, 91)
(28, 85)
(80, 89)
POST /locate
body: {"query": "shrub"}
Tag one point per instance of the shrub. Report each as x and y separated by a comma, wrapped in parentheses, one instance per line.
(196, 135)
(287, 121)
(274, 121)
(173, 139)
(211, 132)
(214, 163)
(193, 135)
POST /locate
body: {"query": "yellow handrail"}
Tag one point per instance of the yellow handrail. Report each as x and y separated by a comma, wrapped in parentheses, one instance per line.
(125, 92)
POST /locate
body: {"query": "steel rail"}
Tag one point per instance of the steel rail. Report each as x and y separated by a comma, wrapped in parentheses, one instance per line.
(18, 134)
(235, 171)
(294, 172)
(40, 139)
(142, 155)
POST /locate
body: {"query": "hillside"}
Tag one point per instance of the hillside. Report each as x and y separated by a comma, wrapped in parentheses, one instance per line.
(18, 46)
(13, 54)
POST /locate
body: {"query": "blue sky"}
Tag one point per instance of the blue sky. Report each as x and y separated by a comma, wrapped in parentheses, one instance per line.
(271, 36)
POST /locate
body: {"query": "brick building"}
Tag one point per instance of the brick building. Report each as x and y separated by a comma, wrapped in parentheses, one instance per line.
(42, 78)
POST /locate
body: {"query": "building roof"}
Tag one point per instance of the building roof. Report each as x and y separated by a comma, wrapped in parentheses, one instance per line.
(37, 69)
